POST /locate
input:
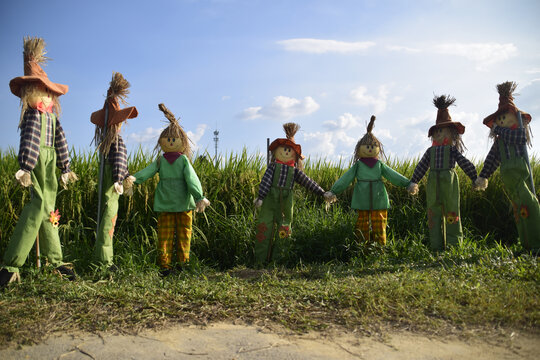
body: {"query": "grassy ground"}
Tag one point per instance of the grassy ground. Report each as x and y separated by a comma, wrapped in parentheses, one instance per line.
(327, 279)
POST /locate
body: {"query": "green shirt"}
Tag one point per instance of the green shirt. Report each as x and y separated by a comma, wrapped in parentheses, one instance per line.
(178, 188)
(369, 192)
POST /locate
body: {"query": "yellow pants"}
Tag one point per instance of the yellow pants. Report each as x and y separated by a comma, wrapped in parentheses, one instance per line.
(377, 232)
(168, 224)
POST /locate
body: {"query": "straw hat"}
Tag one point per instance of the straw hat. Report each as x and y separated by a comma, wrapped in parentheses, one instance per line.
(506, 104)
(118, 90)
(290, 131)
(34, 55)
(443, 116)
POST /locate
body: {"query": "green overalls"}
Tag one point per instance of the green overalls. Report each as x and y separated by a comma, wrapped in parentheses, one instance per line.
(277, 209)
(442, 195)
(35, 217)
(516, 178)
(103, 249)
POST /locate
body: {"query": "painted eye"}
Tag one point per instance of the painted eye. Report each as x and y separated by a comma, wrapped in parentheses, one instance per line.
(173, 140)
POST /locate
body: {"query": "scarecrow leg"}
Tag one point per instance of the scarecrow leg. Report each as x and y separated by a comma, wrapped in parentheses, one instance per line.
(361, 228)
(379, 220)
(165, 227)
(183, 236)
(264, 229)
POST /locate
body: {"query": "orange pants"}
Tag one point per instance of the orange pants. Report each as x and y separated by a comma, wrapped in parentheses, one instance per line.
(377, 231)
(168, 224)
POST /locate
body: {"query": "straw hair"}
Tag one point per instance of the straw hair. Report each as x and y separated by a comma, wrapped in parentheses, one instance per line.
(290, 130)
(443, 101)
(104, 137)
(368, 139)
(34, 50)
(174, 130)
(32, 89)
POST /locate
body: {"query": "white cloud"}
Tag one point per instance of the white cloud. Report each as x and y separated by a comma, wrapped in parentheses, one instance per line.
(150, 136)
(378, 102)
(282, 108)
(403, 49)
(320, 46)
(225, 97)
(346, 121)
(483, 54)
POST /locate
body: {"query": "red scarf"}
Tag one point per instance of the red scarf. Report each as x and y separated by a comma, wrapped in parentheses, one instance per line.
(288, 163)
(445, 142)
(371, 161)
(43, 109)
(171, 156)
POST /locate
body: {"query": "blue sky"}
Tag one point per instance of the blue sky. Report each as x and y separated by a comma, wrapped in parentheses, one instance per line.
(249, 66)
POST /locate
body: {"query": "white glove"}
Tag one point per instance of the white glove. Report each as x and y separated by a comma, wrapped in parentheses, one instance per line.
(413, 188)
(330, 197)
(257, 203)
(24, 178)
(119, 188)
(68, 177)
(480, 184)
(201, 205)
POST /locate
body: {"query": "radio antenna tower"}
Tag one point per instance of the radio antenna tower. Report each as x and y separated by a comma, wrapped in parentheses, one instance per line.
(216, 140)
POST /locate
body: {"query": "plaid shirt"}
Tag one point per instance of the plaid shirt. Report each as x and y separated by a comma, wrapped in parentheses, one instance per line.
(299, 176)
(30, 141)
(455, 156)
(512, 138)
(117, 157)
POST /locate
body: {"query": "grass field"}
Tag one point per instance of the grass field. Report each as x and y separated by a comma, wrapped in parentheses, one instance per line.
(488, 282)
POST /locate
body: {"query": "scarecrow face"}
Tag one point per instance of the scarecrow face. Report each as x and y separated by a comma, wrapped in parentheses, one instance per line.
(443, 135)
(171, 144)
(507, 120)
(369, 151)
(40, 95)
(284, 153)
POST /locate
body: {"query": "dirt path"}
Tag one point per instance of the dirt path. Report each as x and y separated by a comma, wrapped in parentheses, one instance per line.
(227, 342)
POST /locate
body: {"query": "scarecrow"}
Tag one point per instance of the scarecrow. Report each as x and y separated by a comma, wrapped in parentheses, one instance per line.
(276, 195)
(442, 192)
(370, 198)
(178, 192)
(510, 131)
(113, 164)
(43, 146)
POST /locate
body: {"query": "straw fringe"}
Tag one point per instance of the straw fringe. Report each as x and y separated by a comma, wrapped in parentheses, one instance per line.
(34, 49)
(507, 89)
(443, 101)
(290, 130)
(118, 88)
(369, 139)
(174, 130)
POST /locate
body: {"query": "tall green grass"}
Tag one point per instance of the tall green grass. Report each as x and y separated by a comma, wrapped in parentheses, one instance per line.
(224, 234)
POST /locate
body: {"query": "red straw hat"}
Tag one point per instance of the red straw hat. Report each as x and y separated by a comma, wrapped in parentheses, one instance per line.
(506, 104)
(443, 116)
(290, 131)
(34, 55)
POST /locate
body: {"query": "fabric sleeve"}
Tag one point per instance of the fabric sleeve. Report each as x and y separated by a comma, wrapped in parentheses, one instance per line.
(301, 178)
(465, 165)
(393, 176)
(421, 168)
(511, 136)
(266, 181)
(493, 159)
(146, 173)
(192, 180)
(118, 159)
(30, 136)
(62, 151)
(345, 180)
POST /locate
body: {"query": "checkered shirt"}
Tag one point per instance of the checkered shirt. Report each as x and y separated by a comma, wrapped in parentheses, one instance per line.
(30, 141)
(455, 156)
(299, 176)
(512, 138)
(117, 157)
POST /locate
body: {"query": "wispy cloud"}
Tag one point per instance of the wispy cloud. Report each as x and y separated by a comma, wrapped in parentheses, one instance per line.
(282, 108)
(405, 49)
(483, 54)
(321, 46)
(150, 136)
(378, 101)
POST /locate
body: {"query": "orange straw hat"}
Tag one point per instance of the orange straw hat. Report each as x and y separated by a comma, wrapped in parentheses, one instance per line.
(506, 104)
(34, 55)
(118, 90)
(290, 131)
(443, 116)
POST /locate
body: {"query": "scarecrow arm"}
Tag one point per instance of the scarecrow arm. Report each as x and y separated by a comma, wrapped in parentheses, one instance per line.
(146, 173)
(493, 159)
(465, 164)
(511, 136)
(421, 168)
(62, 152)
(193, 182)
(266, 182)
(345, 180)
(394, 177)
(118, 159)
(307, 182)
(30, 135)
